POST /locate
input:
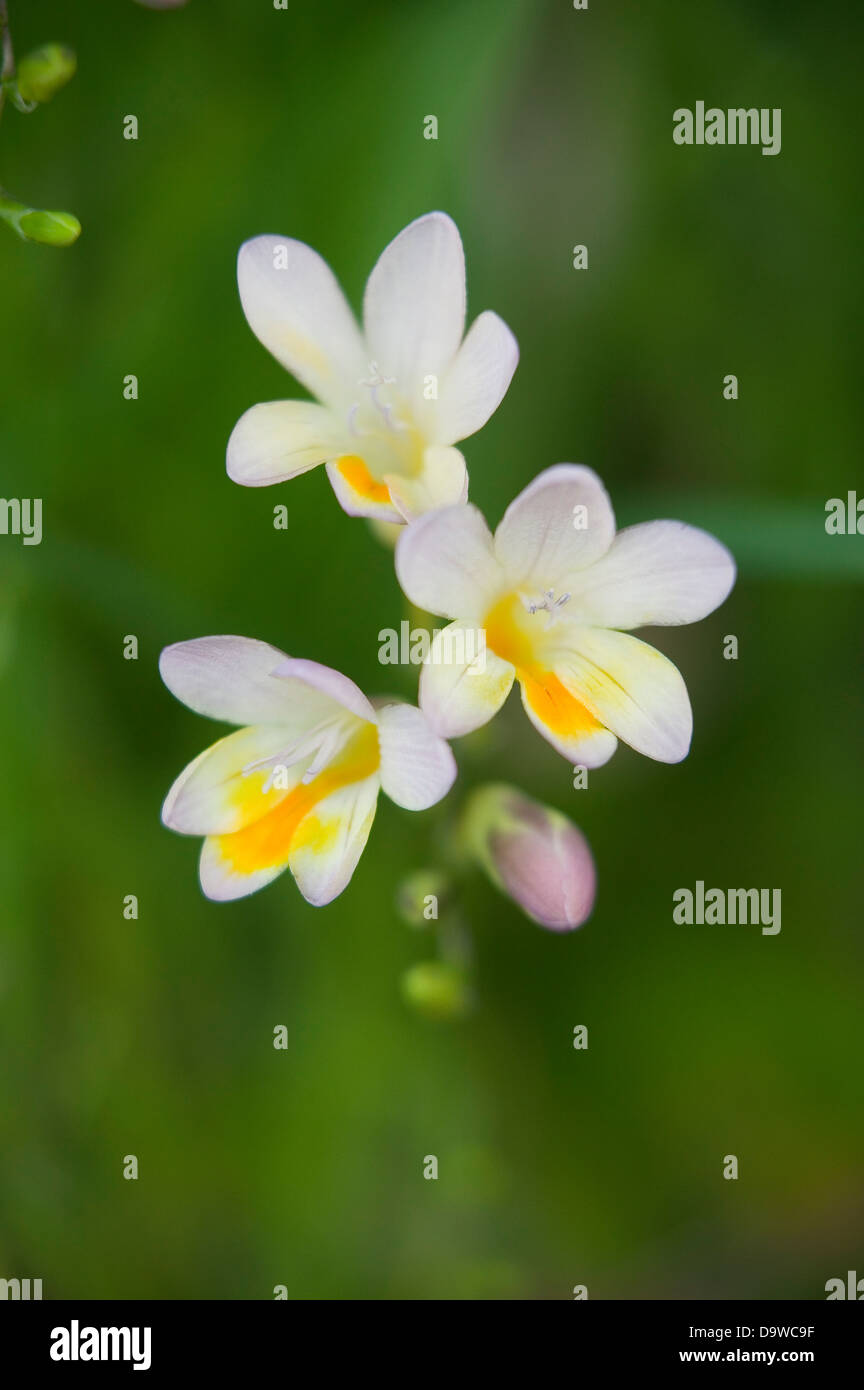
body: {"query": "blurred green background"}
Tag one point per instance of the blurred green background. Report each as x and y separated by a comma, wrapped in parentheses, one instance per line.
(154, 1037)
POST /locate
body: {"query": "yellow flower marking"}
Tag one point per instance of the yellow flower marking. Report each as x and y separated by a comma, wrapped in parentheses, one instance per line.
(356, 474)
(267, 842)
(512, 633)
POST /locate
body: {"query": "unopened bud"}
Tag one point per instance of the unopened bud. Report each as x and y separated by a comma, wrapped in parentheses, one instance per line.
(534, 854)
(44, 71)
(419, 896)
(437, 989)
(50, 228)
(34, 224)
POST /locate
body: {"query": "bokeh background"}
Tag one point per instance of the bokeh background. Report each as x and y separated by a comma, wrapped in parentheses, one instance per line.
(154, 1037)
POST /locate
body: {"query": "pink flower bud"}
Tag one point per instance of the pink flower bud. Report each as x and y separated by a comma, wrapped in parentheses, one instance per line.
(534, 854)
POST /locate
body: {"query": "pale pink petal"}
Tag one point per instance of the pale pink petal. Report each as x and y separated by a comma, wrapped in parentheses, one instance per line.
(562, 522)
(661, 572)
(477, 380)
(295, 307)
(463, 683)
(417, 767)
(632, 689)
(279, 440)
(298, 674)
(414, 306)
(446, 564)
(228, 678)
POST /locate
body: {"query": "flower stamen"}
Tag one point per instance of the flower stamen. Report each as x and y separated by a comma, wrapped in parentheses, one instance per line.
(373, 383)
(547, 604)
(321, 744)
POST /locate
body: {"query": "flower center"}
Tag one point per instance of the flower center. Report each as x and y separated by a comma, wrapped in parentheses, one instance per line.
(515, 630)
(321, 745)
(381, 427)
(547, 604)
(267, 842)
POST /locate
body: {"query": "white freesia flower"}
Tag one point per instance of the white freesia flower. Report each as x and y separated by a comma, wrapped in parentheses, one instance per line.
(551, 592)
(297, 786)
(392, 399)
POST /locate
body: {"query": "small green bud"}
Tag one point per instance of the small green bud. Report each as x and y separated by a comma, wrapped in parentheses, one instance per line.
(437, 990)
(49, 228)
(44, 71)
(420, 895)
(32, 224)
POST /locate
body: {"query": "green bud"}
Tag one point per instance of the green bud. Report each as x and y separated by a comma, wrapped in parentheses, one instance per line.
(419, 897)
(44, 71)
(32, 224)
(437, 990)
(49, 228)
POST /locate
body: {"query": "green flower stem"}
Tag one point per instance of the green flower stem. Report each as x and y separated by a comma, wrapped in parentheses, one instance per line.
(12, 212)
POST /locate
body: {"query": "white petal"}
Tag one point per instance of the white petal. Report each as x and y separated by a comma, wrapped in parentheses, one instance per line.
(463, 683)
(446, 564)
(631, 688)
(661, 572)
(562, 522)
(442, 483)
(417, 767)
(295, 307)
(281, 439)
(477, 380)
(301, 676)
(360, 494)
(329, 842)
(223, 789)
(221, 881)
(414, 307)
(228, 678)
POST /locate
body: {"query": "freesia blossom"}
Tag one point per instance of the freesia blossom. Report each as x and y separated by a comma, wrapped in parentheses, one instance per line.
(391, 400)
(296, 787)
(533, 854)
(552, 592)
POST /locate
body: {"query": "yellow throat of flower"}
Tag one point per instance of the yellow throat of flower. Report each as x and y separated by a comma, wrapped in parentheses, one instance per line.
(521, 637)
(387, 439)
(267, 842)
